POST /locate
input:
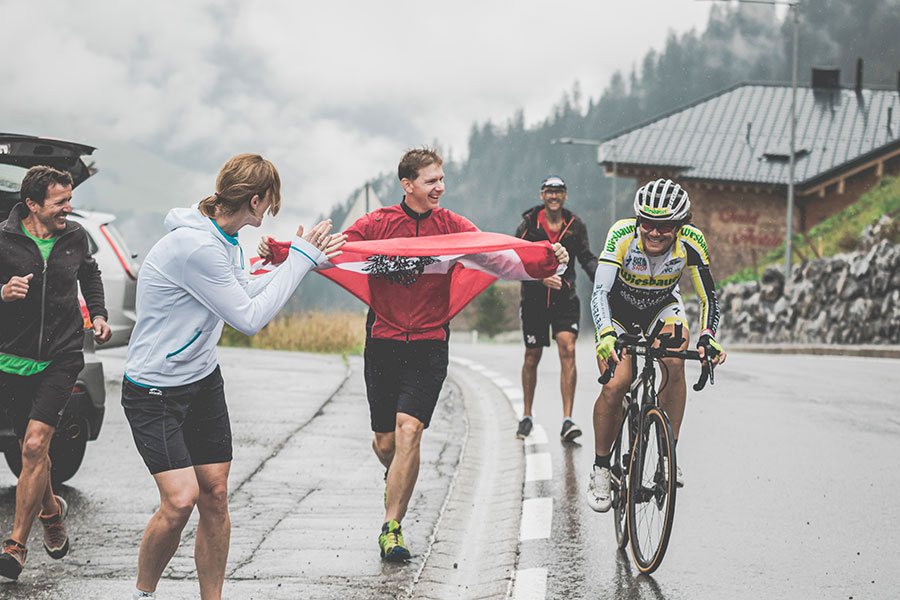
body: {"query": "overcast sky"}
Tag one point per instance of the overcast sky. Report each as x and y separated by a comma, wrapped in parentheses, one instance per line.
(332, 92)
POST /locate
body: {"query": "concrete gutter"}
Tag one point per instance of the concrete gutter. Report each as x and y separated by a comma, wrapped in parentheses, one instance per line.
(477, 536)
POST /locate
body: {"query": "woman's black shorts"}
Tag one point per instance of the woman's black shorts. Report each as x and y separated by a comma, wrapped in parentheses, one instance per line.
(181, 426)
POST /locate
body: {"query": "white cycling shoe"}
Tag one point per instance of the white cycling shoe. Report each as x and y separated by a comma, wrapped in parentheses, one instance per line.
(598, 491)
(679, 476)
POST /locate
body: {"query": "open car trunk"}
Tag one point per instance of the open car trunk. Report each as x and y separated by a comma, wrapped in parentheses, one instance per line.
(18, 153)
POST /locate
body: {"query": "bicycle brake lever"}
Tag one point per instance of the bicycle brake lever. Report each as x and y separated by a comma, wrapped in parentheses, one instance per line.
(608, 374)
(705, 371)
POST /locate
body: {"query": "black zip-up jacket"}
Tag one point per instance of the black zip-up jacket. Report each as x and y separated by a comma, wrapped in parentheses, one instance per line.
(47, 322)
(574, 237)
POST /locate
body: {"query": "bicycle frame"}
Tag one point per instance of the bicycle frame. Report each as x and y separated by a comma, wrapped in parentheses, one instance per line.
(640, 414)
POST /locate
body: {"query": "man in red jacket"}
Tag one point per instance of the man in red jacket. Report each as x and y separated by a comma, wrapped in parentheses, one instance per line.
(405, 365)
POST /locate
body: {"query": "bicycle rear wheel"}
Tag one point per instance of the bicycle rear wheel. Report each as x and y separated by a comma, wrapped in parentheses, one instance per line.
(621, 453)
(651, 490)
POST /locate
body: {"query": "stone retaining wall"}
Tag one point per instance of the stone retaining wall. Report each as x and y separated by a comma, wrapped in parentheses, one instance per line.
(851, 298)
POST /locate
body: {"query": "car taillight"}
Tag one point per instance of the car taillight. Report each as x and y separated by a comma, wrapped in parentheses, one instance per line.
(119, 254)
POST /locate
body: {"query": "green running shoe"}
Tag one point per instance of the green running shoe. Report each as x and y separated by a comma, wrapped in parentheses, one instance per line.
(391, 542)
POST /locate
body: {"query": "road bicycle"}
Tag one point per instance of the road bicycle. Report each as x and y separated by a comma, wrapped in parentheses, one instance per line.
(643, 466)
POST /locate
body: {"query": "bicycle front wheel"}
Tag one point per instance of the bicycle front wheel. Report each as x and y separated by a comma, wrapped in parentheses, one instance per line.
(651, 490)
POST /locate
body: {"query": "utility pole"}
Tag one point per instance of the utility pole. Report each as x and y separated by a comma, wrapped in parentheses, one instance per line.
(790, 197)
(598, 143)
(612, 204)
(793, 6)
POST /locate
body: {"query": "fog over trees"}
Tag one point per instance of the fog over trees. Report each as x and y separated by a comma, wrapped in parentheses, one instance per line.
(500, 176)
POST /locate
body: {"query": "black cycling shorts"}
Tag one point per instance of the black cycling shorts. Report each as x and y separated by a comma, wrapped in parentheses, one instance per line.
(403, 377)
(563, 314)
(42, 396)
(180, 426)
(625, 316)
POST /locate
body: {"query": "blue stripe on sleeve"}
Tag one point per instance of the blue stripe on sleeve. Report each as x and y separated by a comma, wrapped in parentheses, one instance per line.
(315, 264)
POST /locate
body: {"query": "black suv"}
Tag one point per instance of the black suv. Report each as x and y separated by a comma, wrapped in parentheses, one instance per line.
(83, 416)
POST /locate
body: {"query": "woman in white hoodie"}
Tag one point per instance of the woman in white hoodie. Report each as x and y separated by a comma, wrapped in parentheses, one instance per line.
(191, 282)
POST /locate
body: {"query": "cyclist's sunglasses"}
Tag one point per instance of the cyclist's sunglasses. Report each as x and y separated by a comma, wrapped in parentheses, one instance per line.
(663, 228)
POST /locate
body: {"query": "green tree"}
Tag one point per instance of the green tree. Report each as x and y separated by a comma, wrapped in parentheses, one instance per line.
(491, 312)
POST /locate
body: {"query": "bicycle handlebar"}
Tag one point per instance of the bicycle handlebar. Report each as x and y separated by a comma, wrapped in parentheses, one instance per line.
(667, 342)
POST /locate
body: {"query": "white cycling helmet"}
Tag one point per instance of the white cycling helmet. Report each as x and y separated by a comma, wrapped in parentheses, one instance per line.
(661, 200)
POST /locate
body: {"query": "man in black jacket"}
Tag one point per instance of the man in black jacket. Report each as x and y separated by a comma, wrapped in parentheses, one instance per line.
(43, 258)
(553, 302)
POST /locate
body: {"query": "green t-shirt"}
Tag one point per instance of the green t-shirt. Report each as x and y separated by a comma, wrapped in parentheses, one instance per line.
(16, 364)
(21, 366)
(44, 246)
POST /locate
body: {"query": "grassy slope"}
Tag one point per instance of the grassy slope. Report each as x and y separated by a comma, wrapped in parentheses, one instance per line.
(334, 332)
(838, 233)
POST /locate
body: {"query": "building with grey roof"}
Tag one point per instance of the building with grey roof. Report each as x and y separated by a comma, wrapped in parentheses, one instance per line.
(731, 151)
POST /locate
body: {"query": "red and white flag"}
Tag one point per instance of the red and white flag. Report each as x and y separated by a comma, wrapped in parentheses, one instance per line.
(421, 283)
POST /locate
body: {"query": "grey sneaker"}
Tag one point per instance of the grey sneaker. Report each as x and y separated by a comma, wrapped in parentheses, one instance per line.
(570, 431)
(598, 496)
(525, 426)
(56, 540)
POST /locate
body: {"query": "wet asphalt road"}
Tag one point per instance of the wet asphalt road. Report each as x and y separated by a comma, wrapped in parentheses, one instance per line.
(790, 490)
(305, 492)
(791, 485)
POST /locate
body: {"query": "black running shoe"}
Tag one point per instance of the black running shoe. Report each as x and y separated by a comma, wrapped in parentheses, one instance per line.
(570, 431)
(525, 426)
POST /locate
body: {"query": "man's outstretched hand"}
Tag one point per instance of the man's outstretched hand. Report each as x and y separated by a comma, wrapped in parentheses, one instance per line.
(562, 255)
(319, 236)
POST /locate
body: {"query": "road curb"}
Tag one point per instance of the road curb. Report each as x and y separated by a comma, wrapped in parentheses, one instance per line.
(477, 535)
(866, 350)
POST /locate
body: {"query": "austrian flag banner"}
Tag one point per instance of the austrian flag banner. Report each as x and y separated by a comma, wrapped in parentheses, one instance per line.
(420, 283)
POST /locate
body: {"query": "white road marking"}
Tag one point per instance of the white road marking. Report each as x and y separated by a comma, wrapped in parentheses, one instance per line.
(538, 436)
(531, 584)
(513, 393)
(537, 515)
(503, 382)
(538, 467)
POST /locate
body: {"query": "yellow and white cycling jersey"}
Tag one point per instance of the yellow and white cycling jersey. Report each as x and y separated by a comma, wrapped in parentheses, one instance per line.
(629, 280)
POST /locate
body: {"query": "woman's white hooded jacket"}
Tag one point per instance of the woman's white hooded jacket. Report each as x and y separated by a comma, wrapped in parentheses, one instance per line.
(192, 281)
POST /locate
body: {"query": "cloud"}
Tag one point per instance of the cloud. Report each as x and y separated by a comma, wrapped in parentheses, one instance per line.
(331, 92)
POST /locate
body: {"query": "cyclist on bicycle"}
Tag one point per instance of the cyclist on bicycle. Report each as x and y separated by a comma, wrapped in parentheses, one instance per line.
(636, 283)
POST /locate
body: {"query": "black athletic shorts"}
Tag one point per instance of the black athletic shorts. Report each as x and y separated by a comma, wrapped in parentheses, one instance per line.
(625, 316)
(42, 396)
(180, 426)
(403, 377)
(538, 319)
